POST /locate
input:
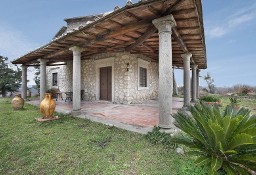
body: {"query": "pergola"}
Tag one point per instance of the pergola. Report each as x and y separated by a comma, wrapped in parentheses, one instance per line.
(170, 32)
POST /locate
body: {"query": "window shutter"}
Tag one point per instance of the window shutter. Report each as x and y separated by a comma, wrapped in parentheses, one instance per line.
(55, 79)
(143, 77)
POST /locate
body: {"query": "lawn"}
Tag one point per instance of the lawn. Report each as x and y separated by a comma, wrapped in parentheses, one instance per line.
(77, 146)
(246, 102)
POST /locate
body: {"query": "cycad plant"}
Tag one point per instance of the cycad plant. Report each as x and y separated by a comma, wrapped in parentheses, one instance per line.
(224, 141)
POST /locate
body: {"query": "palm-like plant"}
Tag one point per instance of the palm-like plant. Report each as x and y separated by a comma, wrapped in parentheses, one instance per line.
(223, 141)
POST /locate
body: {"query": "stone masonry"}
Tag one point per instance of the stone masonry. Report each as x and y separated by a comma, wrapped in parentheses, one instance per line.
(125, 84)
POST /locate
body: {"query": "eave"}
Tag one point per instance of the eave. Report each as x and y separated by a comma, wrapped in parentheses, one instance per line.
(130, 29)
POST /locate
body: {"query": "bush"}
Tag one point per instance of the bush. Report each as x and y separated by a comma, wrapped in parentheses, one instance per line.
(234, 102)
(222, 141)
(157, 137)
(209, 98)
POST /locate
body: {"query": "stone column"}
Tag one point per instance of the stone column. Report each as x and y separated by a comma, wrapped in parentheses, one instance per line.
(24, 82)
(175, 87)
(42, 78)
(197, 84)
(194, 83)
(165, 89)
(186, 60)
(76, 78)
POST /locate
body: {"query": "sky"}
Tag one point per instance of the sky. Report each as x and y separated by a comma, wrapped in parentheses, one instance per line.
(230, 32)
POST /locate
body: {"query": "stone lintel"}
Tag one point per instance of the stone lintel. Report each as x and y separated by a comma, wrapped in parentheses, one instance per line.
(164, 24)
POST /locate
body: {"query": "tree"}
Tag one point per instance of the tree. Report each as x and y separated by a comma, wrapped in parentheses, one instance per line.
(210, 83)
(10, 79)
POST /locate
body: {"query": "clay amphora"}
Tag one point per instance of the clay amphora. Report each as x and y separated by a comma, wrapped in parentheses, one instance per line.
(17, 102)
(47, 106)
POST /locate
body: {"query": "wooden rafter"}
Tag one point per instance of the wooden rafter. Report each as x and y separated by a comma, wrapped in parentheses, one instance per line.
(184, 11)
(179, 40)
(143, 38)
(153, 10)
(130, 14)
(151, 30)
(129, 29)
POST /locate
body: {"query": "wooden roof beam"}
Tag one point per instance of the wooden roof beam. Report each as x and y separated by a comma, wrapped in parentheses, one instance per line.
(115, 22)
(184, 11)
(179, 40)
(130, 14)
(106, 35)
(152, 29)
(172, 8)
(143, 38)
(55, 54)
(153, 10)
(114, 33)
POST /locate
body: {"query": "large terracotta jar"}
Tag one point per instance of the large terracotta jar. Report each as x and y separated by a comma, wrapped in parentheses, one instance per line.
(47, 106)
(17, 102)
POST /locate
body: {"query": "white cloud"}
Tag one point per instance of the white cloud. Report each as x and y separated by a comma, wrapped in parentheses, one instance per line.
(216, 32)
(242, 19)
(231, 22)
(13, 43)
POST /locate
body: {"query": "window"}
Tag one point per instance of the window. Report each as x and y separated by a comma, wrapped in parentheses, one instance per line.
(55, 79)
(143, 77)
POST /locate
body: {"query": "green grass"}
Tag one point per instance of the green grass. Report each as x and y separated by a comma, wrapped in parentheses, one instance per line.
(76, 146)
(249, 103)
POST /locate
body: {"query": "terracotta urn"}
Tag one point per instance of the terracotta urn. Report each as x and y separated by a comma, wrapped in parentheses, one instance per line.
(47, 106)
(17, 102)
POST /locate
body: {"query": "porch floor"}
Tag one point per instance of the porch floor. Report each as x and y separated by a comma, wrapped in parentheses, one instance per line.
(134, 117)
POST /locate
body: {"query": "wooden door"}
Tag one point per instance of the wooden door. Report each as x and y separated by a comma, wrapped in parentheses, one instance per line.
(106, 83)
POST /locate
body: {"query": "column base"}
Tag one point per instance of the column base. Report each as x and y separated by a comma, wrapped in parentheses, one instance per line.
(193, 101)
(172, 130)
(185, 108)
(165, 126)
(76, 112)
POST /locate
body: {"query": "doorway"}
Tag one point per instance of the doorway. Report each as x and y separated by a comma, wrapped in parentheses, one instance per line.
(106, 83)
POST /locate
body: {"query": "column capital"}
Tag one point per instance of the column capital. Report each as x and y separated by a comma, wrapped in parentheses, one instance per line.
(164, 24)
(194, 66)
(76, 49)
(42, 61)
(187, 55)
(24, 66)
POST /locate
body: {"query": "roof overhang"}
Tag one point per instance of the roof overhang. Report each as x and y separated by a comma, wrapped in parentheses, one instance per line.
(130, 29)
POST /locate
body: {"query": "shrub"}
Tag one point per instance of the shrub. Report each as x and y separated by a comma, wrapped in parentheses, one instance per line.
(245, 89)
(222, 141)
(209, 98)
(234, 102)
(158, 137)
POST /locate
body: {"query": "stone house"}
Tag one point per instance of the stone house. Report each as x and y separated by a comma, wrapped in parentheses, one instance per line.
(125, 56)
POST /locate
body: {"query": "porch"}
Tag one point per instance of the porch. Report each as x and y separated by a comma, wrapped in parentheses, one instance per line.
(139, 118)
(166, 34)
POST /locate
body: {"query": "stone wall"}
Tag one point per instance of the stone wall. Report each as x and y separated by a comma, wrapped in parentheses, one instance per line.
(64, 77)
(88, 79)
(125, 85)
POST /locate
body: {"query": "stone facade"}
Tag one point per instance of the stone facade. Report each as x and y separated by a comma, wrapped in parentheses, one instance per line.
(125, 84)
